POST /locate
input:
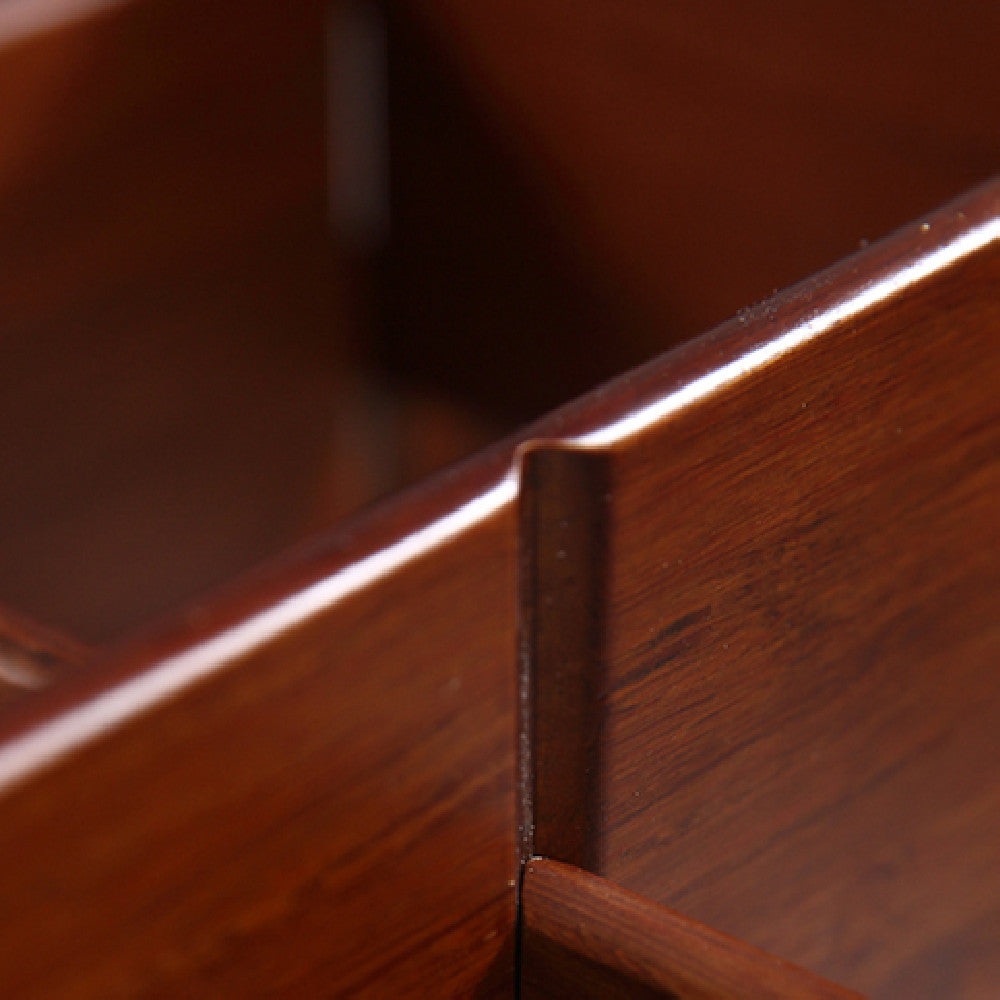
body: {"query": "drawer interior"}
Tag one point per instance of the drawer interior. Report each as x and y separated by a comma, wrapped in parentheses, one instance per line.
(261, 266)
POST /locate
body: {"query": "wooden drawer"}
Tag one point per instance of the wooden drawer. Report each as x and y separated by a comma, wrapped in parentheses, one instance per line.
(685, 689)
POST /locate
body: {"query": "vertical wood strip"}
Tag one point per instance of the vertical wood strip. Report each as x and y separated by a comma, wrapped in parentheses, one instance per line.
(562, 580)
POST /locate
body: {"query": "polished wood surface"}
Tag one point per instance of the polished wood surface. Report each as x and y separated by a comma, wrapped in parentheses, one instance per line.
(721, 631)
(330, 811)
(793, 733)
(170, 277)
(583, 936)
(561, 596)
(309, 784)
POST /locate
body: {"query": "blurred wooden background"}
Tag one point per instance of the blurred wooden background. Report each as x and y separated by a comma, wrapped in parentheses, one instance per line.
(201, 363)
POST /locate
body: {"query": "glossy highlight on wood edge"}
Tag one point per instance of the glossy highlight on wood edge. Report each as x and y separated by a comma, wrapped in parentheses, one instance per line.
(880, 290)
(703, 745)
(176, 673)
(870, 279)
(154, 672)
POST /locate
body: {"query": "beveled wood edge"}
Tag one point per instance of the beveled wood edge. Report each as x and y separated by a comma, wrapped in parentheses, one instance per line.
(179, 650)
(583, 935)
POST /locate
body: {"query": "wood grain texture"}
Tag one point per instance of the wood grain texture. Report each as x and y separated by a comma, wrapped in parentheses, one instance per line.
(169, 279)
(583, 936)
(798, 707)
(308, 785)
(330, 813)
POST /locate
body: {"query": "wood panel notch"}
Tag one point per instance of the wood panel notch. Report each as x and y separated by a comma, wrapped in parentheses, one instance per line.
(564, 499)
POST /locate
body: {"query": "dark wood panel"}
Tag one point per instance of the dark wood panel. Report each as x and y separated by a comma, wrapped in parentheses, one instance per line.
(583, 936)
(476, 273)
(798, 708)
(329, 811)
(664, 165)
(169, 279)
(308, 785)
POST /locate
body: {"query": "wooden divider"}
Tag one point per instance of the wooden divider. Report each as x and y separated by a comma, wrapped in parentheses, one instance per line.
(583, 936)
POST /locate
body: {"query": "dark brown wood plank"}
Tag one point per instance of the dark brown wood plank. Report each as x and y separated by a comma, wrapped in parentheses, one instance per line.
(798, 710)
(307, 785)
(583, 936)
(329, 811)
(182, 335)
